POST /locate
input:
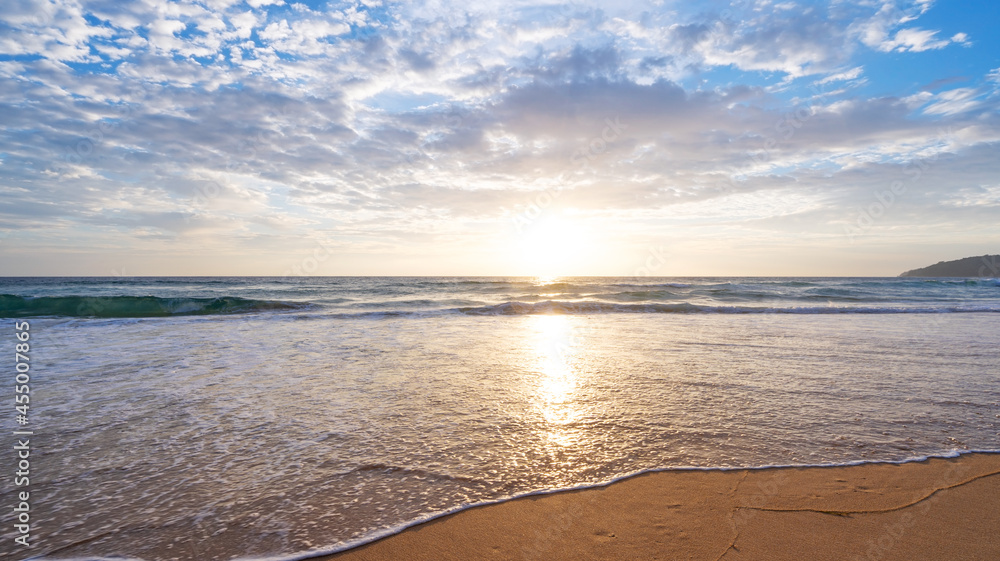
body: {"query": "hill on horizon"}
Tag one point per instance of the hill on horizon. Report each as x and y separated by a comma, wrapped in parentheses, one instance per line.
(984, 266)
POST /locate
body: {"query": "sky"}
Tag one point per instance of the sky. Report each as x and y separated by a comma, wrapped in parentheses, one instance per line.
(273, 137)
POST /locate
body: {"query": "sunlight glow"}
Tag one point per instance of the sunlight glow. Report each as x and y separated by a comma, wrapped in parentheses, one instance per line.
(554, 245)
(555, 347)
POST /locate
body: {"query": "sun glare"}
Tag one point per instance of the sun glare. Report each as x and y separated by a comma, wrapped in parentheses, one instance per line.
(553, 246)
(555, 346)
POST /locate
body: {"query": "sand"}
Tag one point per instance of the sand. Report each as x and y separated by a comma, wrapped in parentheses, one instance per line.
(936, 509)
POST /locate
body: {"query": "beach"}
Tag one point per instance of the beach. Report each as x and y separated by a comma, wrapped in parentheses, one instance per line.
(532, 281)
(934, 509)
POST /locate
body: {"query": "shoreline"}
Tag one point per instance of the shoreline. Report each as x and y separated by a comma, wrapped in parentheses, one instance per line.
(864, 510)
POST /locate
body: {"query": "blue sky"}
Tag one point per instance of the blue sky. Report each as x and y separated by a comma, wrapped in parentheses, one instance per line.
(272, 137)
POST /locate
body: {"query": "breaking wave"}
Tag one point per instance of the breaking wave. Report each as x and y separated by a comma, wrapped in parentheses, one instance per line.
(133, 306)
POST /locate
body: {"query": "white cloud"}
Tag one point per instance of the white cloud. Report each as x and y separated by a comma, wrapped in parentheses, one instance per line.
(166, 26)
(303, 37)
(913, 39)
(259, 3)
(244, 24)
(953, 101)
(51, 29)
(113, 52)
(851, 74)
(877, 31)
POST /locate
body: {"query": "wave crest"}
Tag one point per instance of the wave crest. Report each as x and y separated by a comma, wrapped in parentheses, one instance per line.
(582, 308)
(133, 306)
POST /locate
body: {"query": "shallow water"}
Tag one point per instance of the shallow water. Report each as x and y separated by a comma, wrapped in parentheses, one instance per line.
(280, 432)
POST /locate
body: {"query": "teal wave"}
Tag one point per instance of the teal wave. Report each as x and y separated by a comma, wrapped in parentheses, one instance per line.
(132, 306)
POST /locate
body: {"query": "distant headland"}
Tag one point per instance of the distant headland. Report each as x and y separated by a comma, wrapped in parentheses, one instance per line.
(985, 266)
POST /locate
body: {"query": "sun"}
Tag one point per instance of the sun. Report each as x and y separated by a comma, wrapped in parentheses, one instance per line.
(553, 246)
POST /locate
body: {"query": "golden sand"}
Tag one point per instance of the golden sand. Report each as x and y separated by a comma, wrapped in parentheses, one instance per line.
(936, 509)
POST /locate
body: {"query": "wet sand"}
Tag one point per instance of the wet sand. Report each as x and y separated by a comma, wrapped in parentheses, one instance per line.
(935, 509)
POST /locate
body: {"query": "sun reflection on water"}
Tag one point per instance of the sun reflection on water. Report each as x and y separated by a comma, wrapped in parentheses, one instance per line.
(543, 280)
(556, 346)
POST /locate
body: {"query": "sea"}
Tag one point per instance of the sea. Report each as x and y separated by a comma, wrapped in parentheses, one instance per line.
(282, 418)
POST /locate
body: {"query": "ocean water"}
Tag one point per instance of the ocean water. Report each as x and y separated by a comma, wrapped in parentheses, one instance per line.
(227, 418)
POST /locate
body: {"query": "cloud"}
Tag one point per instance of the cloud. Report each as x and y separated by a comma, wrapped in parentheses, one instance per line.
(791, 42)
(258, 3)
(877, 31)
(49, 28)
(851, 74)
(244, 23)
(943, 82)
(954, 101)
(302, 37)
(397, 122)
(913, 39)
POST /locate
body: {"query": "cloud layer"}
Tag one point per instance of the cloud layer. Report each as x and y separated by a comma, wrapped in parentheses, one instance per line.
(224, 137)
